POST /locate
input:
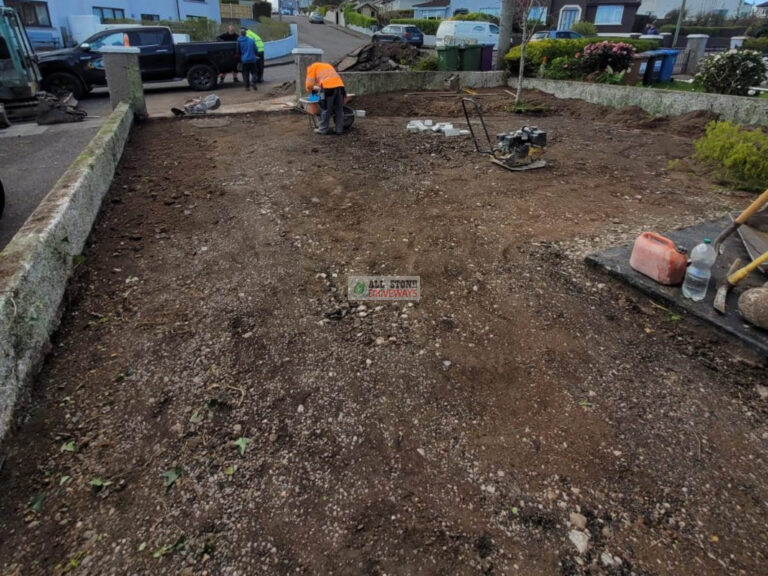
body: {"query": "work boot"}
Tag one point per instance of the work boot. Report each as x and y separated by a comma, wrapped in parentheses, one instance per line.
(318, 131)
(248, 88)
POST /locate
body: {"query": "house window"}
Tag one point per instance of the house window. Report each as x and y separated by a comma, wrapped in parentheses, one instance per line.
(32, 13)
(608, 15)
(538, 14)
(109, 13)
(569, 15)
(150, 17)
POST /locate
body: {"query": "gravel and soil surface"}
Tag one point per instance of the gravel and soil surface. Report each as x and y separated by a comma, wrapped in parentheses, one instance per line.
(213, 405)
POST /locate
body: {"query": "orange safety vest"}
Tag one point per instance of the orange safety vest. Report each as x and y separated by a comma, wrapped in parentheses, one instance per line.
(324, 75)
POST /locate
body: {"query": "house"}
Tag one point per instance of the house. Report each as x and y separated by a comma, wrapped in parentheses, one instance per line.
(726, 8)
(606, 15)
(761, 10)
(398, 5)
(51, 22)
(368, 9)
(432, 10)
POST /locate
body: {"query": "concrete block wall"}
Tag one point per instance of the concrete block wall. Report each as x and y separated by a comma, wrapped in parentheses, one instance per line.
(738, 109)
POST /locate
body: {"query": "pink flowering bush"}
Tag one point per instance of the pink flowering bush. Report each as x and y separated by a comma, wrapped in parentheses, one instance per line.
(600, 55)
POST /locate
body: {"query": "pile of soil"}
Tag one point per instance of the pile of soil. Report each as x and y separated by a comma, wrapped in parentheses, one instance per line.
(284, 89)
(213, 404)
(380, 57)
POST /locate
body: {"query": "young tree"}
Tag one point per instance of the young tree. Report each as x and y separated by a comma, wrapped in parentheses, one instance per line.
(524, 10)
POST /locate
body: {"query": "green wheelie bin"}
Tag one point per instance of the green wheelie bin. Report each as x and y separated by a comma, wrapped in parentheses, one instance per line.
(448, 58)
(470, 56)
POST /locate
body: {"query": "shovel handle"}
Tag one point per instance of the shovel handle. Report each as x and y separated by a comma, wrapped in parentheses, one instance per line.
(741, 273)
(743, 217)
(752, 208)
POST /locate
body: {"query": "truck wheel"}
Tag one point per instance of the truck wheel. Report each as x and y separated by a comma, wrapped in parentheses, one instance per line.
(62, 83)
(202, 77)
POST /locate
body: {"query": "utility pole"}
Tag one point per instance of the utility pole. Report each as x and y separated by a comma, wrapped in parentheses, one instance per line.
(679, 23)
(506, 19)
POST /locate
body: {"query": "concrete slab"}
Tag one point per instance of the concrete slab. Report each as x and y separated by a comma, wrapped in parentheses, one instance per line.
(21, 130)
(615, 261)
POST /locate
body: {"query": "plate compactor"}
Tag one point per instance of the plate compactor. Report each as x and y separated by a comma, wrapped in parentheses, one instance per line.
(519, 150)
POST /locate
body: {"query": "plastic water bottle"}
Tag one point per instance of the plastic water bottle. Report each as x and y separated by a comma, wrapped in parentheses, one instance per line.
(699, 271)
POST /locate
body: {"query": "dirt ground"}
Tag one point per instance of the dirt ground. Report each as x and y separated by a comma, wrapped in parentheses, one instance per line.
(213, 405)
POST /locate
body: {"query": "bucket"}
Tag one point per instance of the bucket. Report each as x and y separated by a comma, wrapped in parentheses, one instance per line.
(658, 258)
(312, 104)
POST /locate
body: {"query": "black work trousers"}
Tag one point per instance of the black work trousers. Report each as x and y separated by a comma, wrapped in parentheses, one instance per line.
(332, 106)
(260, 67)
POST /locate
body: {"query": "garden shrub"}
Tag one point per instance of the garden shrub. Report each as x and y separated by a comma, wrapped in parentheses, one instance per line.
(585, 28)
(426, 63)
(269, 30)
(759, 44)
(714, 31)
(357, 19)
(738, 156)
(563, 68)
(758, 30)
(476, 17)
(598, 56)
(536, 52)
(426, 26)
(731, 72)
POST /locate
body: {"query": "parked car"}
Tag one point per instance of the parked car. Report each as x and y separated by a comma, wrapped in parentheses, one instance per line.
(316, 18)
(79, 69)
(557, 34)
(400, 33)
(452, 32)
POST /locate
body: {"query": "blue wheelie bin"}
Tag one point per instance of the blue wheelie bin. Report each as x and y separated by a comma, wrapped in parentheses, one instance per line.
(668, 64)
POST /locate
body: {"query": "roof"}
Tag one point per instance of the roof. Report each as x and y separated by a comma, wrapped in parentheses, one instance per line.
(763, 5)
(434, 4)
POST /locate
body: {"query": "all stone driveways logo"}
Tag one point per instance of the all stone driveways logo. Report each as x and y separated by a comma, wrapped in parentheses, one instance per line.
(384, 288)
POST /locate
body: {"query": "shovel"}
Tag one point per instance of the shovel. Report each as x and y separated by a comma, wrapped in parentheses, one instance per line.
(733, 277)
(743, 217)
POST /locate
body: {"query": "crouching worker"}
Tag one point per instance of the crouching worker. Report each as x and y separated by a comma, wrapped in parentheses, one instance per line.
(323, 78)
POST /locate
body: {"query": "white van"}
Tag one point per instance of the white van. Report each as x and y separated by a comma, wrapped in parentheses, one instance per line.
(453, 32)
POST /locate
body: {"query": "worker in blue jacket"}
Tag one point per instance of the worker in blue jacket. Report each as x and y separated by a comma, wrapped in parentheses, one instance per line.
(248, 58)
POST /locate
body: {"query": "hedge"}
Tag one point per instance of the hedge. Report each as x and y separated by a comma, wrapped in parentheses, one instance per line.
(426, 26)
(759, 44)
(715, 31)
(357, 19)
(535, 52)
(476, 17)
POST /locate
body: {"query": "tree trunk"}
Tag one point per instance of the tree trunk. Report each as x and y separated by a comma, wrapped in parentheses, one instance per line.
(521, 70)
(506, 19)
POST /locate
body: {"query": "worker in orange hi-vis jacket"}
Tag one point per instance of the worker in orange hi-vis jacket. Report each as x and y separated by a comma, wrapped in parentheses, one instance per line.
(322, 78)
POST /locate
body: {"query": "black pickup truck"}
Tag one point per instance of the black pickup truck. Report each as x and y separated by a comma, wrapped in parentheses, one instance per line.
(79, 69)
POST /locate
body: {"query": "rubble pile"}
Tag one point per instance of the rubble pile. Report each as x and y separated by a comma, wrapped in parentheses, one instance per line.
(380, 57)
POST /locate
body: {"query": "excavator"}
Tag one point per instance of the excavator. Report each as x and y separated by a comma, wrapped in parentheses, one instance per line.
(20, 95)
(19, 75)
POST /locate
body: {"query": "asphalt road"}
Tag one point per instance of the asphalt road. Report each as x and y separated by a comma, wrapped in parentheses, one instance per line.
(33, 158)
